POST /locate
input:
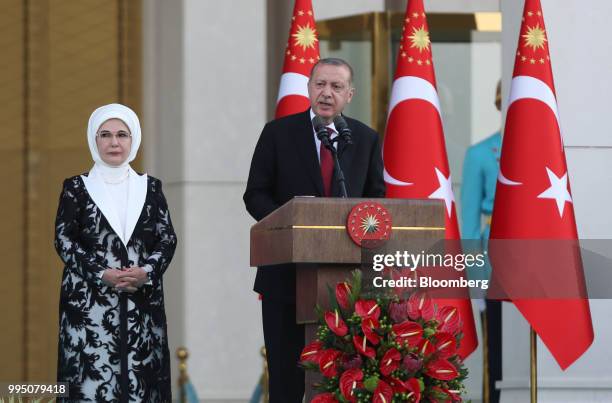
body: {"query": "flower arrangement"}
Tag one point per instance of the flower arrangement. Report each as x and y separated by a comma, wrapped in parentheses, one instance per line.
(386, 347)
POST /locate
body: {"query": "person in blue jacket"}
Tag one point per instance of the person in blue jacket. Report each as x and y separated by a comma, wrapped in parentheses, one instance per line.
(480, 169)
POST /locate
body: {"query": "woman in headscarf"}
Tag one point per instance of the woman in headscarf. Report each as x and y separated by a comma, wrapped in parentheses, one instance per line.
(114, 234)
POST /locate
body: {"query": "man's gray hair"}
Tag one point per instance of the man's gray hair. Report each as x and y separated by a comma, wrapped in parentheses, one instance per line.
(333, 61)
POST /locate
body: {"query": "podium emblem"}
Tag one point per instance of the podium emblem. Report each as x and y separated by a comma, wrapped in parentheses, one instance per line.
(369, 222)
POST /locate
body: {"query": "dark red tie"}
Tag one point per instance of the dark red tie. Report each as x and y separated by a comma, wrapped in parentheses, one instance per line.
(327, 166)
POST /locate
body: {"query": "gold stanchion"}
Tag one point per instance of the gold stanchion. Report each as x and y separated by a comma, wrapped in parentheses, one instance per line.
(182, 354)
(486, 393)
(265, 377)
(533, 340)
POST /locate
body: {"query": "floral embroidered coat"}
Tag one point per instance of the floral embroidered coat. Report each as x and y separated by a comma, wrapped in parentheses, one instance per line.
(113, 346)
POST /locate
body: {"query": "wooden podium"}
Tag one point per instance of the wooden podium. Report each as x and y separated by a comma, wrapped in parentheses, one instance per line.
(311, 232)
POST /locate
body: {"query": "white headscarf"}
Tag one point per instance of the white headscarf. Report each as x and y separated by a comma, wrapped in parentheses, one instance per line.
(118, 191)
(97, 118)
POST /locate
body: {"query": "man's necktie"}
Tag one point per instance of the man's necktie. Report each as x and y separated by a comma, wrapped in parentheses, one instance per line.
(327, 166)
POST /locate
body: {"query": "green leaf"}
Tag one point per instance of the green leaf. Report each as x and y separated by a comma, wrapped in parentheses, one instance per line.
(355, 286)
(341, 399)
(309, 366)
(320, 314)
(371, 383)
(333, 303)
(428, 332)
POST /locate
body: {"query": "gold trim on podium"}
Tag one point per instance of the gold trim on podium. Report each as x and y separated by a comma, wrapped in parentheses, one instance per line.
(343, 227)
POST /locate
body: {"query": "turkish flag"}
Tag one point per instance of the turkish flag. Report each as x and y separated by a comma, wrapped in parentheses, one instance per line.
(414, 151)
(301, 53)
(533, 246)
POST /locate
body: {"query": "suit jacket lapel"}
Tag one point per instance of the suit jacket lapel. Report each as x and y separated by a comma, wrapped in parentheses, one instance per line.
(97, 191)
(306, 149)
(137, 194)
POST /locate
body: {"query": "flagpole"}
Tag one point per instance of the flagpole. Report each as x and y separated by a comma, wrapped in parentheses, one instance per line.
(533, 339)
(486, 393)
(182, 354)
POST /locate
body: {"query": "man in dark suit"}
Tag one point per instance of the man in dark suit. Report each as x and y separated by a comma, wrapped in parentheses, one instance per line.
(289, 161)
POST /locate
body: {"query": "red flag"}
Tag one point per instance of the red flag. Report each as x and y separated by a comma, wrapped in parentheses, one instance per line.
(414, 152)
(533, 202)
(301, 54)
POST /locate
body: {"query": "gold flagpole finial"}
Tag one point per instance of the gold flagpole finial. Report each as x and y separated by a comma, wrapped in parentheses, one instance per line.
(182, 354)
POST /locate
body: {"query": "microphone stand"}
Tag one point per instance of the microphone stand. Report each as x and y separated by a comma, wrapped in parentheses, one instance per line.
(328, 143)
(323, 136)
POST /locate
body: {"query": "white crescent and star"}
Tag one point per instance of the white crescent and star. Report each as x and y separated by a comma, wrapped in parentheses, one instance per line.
(523, 87)
(445, 191)
(411, 87)
(557, 191)
(526, 87)
(506, 181)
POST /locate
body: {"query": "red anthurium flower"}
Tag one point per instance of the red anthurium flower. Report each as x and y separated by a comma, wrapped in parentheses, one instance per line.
(327, 362)
(414, 390)
(324, 398)
(367, 308)
(383, 393)
(420, 305)
(454, 394)
(426, 348)
(349, 380)
(312, 352)
(411, 387)
(440, 395)
(361, 346)
(446, 345)
(342, 294)
(369, 325)
(449, 320)
(396, 384)
(335, 323)
(408, 331)
(436, 393)
(390, 362)
(442, 370)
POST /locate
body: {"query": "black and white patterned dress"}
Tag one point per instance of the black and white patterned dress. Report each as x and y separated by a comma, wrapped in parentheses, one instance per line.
(113, 346)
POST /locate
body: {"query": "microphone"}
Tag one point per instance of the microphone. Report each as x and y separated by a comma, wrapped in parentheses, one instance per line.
(343, 130)
(321, 131)
(323, 135)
